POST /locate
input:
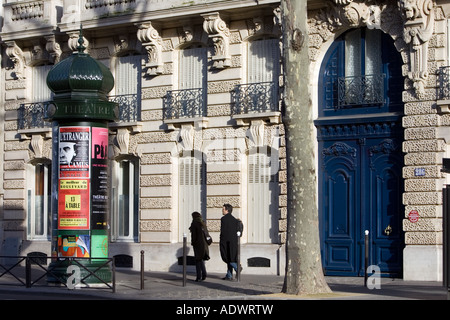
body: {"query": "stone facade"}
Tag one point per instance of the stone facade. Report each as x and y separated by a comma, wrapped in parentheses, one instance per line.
(158, 30)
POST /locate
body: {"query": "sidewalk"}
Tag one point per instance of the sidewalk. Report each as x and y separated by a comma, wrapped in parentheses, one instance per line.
(169, 286)
(268, 287)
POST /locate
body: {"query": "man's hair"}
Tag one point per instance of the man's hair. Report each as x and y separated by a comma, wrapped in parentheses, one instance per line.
(228, 207)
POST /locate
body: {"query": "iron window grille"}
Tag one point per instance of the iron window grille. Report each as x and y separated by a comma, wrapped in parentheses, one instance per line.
(187, 103)
(32, 116)
(361, 90)
(129, 107)
(444, 83)
(255, 98)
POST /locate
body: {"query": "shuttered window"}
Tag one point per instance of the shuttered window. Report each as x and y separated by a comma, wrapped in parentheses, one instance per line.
(191, 191)
(41, 92)
(39, 201)
(192, 73)
(125, 200)
(262, 201)
(263, 61)
(128, 75)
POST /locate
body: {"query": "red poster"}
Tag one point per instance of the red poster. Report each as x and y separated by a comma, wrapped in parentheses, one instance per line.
(73, 204)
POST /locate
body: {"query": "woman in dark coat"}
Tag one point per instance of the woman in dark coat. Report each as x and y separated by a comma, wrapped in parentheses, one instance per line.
(198, 241)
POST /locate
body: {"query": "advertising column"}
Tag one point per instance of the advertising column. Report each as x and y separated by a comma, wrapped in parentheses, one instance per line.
(80, 111)
(82, 191)
(82, 215)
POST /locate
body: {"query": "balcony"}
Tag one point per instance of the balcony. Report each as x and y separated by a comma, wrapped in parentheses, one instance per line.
(31, 116)
(30, 18)
(361, 91)
(443, 89)
(184, 106)
(256, 101)
(129, 107)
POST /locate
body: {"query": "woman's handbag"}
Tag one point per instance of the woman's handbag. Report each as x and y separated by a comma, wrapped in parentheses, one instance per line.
(207, 237)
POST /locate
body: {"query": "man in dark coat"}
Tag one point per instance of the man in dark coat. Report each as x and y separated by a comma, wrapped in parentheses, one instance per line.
(201, 251)
(229, 228)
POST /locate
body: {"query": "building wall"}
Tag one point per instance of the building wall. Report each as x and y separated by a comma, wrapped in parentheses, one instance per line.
(223, 141)
(422, 41)
(425, 123)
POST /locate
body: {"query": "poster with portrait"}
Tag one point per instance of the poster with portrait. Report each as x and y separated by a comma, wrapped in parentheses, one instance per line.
(74, 178)
(74, 147)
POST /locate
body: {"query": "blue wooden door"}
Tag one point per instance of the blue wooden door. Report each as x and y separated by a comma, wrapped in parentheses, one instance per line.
(360, 159)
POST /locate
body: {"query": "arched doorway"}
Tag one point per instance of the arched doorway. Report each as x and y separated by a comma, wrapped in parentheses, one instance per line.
(360, 155)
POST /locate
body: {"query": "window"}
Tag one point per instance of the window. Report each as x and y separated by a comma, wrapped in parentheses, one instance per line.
(262, 199)
(192, 73)
(192, 191)
(41, 92)
(260, 93)
(361, 74)
(125, 200)
(128, 87)
(39, 201)
(263, 61)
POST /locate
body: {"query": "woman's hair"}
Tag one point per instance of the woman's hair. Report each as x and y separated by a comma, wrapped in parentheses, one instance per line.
(195, 214)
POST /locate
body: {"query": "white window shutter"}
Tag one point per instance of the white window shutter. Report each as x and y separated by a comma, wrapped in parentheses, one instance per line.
(263, 61)
(192, 68)
(261, 227)
(128, 70)
(41, 92)
(190, 191)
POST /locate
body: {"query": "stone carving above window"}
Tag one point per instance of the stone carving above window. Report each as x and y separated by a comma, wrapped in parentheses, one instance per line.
(152, 42)
(418, 16)
(218, 31)
(16, 55)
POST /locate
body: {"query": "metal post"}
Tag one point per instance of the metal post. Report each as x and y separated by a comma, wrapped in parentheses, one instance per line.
(113, 267)
(238, 271)
(28, 272)
(445, 228)
(184, 259)
(142, 269)
(366, 255)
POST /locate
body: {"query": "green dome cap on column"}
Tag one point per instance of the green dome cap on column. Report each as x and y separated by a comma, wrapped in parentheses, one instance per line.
(78, 80)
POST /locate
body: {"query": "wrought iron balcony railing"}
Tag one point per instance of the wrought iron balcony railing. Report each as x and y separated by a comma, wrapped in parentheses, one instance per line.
(255, 98)
(444, 83)
(129, 107)
(31, 116)
(188, 103)
(361, 90)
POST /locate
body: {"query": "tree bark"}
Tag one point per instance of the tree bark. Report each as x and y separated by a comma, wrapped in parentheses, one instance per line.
(304, 273)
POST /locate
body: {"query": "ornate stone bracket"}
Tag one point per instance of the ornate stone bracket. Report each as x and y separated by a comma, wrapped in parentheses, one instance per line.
(39, 54)
(418, 16)
(53, 48)
(186, 138)
(73, 41)
(152, 42)
(17, 57)
(123, 133)
(37, 138)
(218, 31)
(255, 133)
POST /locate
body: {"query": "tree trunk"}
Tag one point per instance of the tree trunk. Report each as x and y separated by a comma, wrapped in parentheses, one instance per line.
(303, 262)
